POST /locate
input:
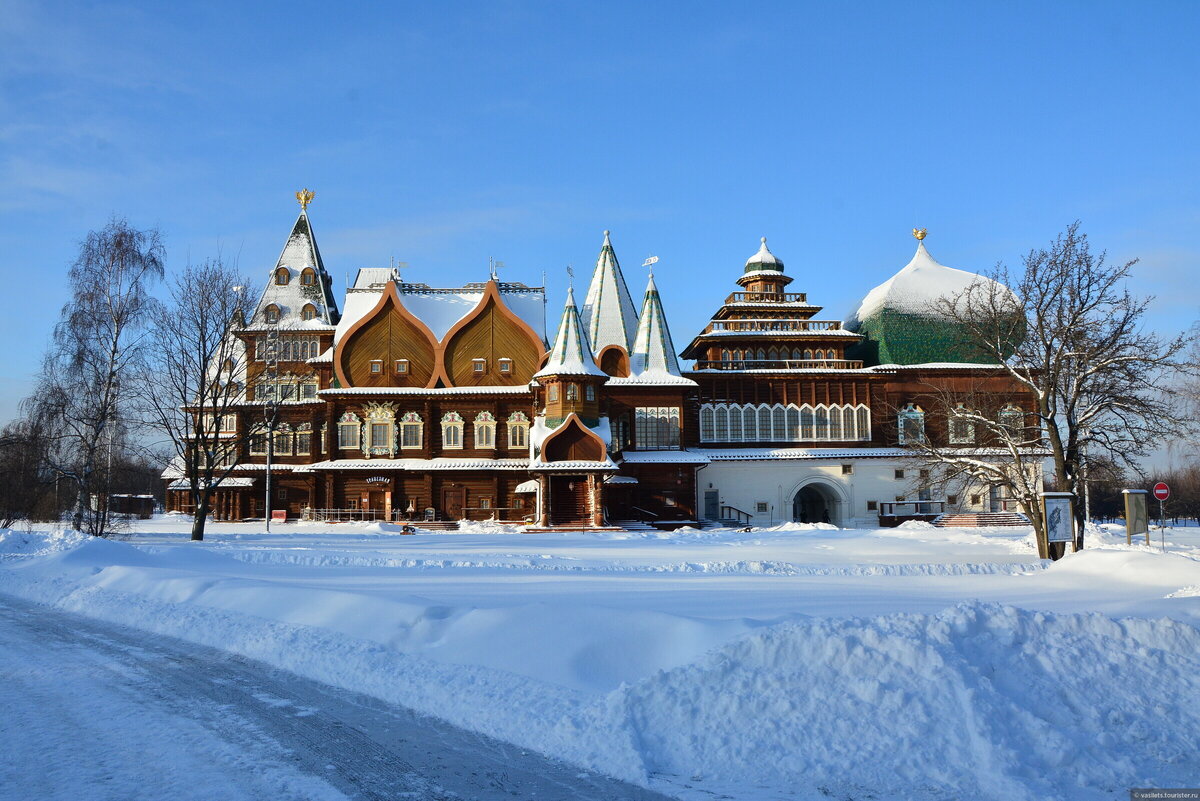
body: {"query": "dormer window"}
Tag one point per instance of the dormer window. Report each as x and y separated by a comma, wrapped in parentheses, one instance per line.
(505, 366)
(308, 312)
(308, 277)
(271, 313)
(401, 366)
(282, 276)
(478, 366)
(377, 367)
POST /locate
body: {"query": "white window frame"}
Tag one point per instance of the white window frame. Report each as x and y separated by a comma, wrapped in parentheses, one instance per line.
(910, 412)
(408, 423)
(485, 431)
(518, 431)
(345, 422)
(452, 431)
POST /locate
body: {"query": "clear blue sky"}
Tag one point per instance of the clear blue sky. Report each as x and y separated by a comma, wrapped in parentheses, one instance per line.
(444, 133)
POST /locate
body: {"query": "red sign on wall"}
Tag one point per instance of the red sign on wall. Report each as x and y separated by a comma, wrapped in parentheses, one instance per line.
(1162, 491)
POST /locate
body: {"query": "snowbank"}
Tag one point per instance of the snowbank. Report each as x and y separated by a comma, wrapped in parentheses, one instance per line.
(970, 699)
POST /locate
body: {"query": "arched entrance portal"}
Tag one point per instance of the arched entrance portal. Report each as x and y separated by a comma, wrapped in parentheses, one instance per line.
(814, 504)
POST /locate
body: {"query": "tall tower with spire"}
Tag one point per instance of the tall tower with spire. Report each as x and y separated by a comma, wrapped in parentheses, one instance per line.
(299, 291)
(609, 316)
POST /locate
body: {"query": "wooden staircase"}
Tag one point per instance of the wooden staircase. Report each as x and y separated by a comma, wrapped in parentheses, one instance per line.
(980, 520)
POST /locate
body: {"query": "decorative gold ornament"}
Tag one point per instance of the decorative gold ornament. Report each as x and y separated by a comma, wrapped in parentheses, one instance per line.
(305, 197)
(919, 233)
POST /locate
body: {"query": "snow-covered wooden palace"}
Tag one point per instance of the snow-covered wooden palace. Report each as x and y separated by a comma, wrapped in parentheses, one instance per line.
(419, 403)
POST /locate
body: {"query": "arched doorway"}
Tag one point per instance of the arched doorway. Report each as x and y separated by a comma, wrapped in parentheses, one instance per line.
(814, 503)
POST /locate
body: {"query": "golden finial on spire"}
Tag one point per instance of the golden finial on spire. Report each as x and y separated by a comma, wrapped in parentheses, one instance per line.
(305, 197)
(919, 233)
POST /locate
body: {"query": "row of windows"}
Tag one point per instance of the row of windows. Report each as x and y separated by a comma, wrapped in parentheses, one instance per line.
(732, 422)
(272, 313)
(285, 390)
(285, 441)
(286, 349)
(910, 424)
(283, 276)
(571, 392)
(657, 427)
(377, 436)
(777, 354)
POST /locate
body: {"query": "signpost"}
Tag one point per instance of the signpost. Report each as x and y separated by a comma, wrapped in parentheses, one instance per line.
(1059, 517)
(1162, 492)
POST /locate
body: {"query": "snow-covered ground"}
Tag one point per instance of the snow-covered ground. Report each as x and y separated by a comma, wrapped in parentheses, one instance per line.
(798, 662)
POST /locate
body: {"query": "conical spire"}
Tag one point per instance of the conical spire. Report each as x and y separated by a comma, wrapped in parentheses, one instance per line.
(609, 316)
(571, 354)
(300, 253)
(653, 358)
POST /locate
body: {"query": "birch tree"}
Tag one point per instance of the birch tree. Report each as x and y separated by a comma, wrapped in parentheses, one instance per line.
(1091, 379)
(81, 398)
(191, 385)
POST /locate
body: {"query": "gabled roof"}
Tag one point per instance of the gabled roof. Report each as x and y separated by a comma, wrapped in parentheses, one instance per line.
(653, 360)
(571, 354)
(608, 313)
(300, 251)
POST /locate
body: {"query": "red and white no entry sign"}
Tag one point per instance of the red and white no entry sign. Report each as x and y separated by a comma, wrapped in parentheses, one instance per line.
(1162, 491)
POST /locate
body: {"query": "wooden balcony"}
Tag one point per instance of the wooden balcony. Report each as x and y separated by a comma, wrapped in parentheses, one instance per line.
(779, 364)
(767, 297)
(773, 326)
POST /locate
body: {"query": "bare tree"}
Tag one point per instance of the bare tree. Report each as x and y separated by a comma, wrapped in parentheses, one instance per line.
(24, 480)
(1072, 341)
(191, 385)
(80, 398)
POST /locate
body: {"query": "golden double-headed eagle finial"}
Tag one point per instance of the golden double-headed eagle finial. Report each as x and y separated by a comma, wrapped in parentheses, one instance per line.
(305, 197)
(919, 233)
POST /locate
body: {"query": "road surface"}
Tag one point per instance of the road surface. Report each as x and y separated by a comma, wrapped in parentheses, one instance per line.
(92, 710)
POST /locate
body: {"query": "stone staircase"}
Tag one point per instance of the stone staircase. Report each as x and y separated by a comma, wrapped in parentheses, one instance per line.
(980, 520)
(633, 525)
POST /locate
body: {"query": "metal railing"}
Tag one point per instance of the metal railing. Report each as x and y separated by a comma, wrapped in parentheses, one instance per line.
(773, 325)
(779, 364)
(739, 515)
(343, 515)
(889, 508)
(767, 297)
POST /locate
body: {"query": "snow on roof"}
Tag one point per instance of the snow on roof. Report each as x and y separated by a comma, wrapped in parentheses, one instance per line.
(916, 288)
(482, 390)
(374, 277)
(324, 358)
(531, 485)
(608, 313)
(741, 454)
(689, 456)
(653, 359)
(605, 464)
(655, 378)
(765, 256)
(440, 463)
(299, 252)
(887, 368)
(571, 354)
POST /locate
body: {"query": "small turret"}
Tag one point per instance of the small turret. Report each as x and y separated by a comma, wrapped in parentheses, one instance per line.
(570, 377)
(764, 273)
(299, 292)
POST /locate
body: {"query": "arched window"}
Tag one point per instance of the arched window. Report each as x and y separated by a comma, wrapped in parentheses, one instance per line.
(863, 419)
(806, 423)
(764, 423)
(808, 353)
(452, 430)
(911, 425)
(773, 355)
(794, 424)
(271, 313)
(962, 430)
(722, 424)
(749, 426)
(308, 277)
(282, 276)
(348, 431)
(707, 430)
(779, 420)
(796, 354)
(835, 423)
(308, 312)
(304, 439)
(485, 430)
(725, 356)
(821, 431)
(283, 440)
(518, 430)
(1012, 420)
(412, 430)
(735, 424)
(762, 355)
(572, 392)
(848, 431)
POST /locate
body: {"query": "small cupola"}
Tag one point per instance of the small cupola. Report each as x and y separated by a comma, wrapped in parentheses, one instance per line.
(570, 378)
(764, 273)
